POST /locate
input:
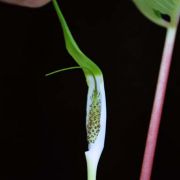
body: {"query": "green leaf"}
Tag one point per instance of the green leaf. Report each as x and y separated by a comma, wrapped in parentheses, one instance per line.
(162, 12)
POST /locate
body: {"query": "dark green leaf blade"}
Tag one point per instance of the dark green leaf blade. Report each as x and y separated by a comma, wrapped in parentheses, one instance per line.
(158, 11)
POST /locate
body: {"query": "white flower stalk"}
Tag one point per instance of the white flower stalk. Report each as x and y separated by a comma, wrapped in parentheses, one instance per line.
(96, 102)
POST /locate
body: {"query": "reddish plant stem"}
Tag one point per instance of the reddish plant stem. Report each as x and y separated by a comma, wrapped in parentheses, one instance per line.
(158, 105)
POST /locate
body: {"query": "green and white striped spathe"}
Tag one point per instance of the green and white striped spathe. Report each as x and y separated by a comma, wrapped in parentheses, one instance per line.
(96, 102)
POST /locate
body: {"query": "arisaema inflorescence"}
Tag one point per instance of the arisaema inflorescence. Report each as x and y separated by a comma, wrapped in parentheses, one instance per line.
(96, 102)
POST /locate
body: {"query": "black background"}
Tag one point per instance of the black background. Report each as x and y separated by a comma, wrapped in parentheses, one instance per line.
(42, 120)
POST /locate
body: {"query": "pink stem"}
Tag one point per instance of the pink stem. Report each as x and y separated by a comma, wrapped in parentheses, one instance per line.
(158, 105)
